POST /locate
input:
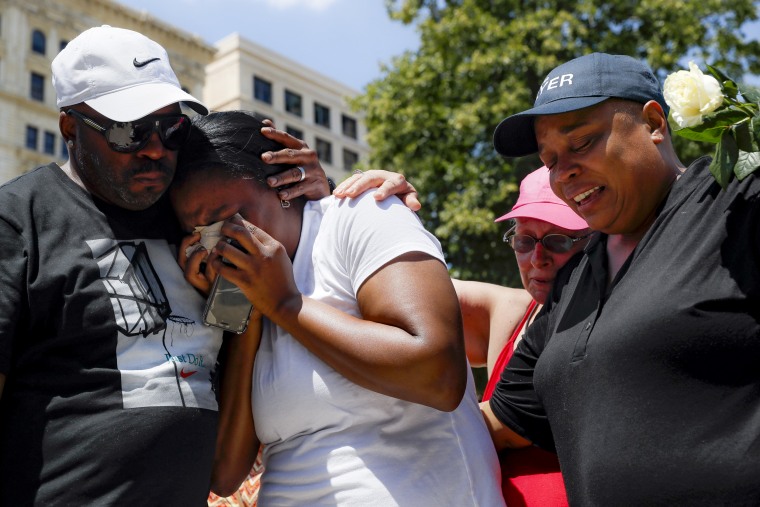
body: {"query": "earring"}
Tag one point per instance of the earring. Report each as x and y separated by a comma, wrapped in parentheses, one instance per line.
(70, 143)
(284, 203)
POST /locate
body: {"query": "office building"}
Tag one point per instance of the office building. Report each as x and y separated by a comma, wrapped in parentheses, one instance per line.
(232, 74)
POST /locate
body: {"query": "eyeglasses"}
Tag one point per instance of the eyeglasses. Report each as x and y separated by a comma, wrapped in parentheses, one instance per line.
(131, 136)
(557, 243)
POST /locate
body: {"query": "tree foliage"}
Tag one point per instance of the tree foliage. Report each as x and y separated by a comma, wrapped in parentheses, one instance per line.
(432, 113)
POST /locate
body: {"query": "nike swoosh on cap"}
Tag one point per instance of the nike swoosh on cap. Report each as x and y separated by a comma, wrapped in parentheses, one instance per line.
(143, 63)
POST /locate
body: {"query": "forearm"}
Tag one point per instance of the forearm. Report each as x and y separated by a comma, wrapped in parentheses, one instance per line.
(490, 314)
(503, 437)
(412, 365)
(476, 320)
(236, 444)
(2, 385)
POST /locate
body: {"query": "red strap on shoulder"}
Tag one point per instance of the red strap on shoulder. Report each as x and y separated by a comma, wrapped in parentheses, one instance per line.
(506, 353)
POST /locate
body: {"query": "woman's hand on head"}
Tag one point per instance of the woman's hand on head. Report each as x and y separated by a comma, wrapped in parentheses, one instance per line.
(311, 182)
(387, 183)
(263, 270)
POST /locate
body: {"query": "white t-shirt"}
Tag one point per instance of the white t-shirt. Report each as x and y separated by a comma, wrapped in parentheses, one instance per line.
(331, 442)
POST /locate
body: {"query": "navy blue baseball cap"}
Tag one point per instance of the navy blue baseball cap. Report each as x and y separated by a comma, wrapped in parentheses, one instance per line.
(577, 84)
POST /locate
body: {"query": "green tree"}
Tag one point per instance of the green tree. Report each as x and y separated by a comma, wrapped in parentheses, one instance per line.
(432, 113)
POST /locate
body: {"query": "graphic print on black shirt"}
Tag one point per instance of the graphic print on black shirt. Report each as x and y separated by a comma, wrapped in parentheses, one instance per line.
(160, 361)
(131, 280)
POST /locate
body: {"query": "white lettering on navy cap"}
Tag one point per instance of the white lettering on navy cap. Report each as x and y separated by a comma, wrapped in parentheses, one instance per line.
(556, 82)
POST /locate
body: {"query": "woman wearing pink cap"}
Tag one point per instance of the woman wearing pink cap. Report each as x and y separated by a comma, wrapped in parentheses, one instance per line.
(545, 235)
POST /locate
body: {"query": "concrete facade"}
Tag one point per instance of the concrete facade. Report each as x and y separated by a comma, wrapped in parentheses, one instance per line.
(221, 75)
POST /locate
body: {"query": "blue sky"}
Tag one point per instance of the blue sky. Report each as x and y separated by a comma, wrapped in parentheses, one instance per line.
(343, 39)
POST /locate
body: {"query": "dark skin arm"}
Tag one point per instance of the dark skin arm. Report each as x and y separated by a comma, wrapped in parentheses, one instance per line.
(236, 442)
(2, 385)
(411, 349)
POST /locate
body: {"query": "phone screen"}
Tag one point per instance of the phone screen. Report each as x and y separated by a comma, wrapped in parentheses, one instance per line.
(227, 307)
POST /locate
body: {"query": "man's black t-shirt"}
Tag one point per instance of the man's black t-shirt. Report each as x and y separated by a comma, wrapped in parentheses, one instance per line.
(108, 398)
(650, 388)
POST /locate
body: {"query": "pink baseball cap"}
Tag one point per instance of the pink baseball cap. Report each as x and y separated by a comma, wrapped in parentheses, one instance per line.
(537, 200)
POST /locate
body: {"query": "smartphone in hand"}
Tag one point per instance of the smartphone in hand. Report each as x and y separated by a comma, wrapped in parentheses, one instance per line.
(227, 307)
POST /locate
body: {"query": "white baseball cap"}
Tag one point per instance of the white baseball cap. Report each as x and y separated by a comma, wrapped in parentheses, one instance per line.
(121, 74)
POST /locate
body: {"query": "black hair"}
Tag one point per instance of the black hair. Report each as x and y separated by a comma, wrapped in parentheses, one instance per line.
(230, 141)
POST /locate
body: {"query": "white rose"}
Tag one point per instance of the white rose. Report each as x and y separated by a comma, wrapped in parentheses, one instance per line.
(691, 94)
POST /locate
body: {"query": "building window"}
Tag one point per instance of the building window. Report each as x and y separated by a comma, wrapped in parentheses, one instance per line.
(63, 45)
(38, 42)
(293, 103)
(64, 150)
(37, 87)
(350, 159)
(262, 90)
(324, 151)
(297, 133)
(321, 115)
(31, 137)
(349, 127)
(48, 145)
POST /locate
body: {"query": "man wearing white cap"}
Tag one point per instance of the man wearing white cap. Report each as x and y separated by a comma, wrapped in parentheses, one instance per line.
(106, 372)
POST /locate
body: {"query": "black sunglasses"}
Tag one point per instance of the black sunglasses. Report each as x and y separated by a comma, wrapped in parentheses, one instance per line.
(557, 243)
(131, 136)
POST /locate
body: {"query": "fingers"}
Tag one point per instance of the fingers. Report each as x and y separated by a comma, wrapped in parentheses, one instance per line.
(296, 151)
(307, 178)
(187, 245)
(387, 183)
(281, 137)
(295, 175)
(401, 188)
(343, 188)
(411, 201)
(361, 182)
(194, 265)
(249, 237)
(312, 189)
(196, 271)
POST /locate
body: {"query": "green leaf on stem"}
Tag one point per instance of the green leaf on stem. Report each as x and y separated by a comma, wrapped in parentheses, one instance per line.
(713, 125)
(711, 135)
(725, 116)
(726, 155)
(745, 141)
(730, 89)
(755, 127)
(729, 85)
(746, 164)
(750, 95)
